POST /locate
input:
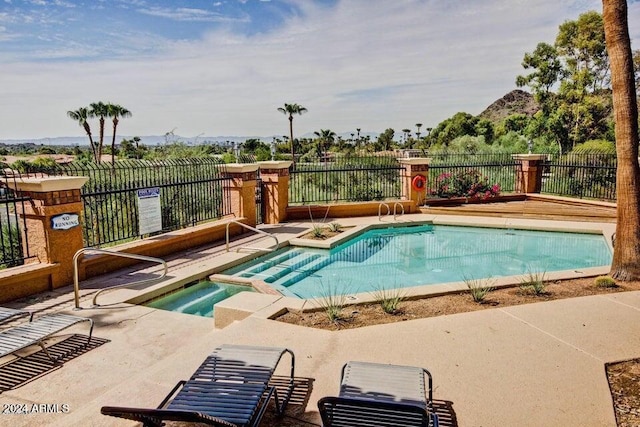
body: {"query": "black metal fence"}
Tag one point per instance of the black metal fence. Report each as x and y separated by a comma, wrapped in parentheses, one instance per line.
(13, 250)
(348, 178)
(500, 169)
(191, 192)
(591, 176)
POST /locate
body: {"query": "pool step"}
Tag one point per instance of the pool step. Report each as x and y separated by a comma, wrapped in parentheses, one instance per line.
(216, 295)
(259, 268)
(307, 271)
(274, 272)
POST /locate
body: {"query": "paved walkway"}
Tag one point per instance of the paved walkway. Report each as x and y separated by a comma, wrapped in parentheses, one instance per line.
(529, 365)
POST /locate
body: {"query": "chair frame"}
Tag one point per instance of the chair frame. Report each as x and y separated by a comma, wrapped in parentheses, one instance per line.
(36, 331)
(221, 374)
(352, 408)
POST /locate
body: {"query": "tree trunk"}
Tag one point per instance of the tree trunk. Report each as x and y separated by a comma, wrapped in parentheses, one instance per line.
(626, 255)
(293, 155)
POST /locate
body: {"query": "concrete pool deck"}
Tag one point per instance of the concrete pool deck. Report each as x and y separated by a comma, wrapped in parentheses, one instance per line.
(525, 365)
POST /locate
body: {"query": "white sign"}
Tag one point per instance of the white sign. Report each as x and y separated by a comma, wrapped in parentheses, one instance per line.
(149, 211)
(64, 221)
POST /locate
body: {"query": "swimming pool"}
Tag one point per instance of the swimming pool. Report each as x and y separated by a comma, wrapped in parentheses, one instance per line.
(198, 299)
(397, 257)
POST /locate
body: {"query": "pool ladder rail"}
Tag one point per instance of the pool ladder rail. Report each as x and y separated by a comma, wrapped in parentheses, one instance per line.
(395, 212)
(76, 282)
(248, 227)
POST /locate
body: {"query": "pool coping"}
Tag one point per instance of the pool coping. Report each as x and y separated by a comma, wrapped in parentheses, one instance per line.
(274, 303)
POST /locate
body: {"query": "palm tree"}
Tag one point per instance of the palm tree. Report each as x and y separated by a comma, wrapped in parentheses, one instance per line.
(81, 115)
(626, 253)
(292, 109)
(418, 125)
(116, 112)
(326, 137)
(99, 110)
(407, 133)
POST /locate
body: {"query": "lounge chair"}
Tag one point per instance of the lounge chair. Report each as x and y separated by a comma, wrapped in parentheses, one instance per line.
(8, 314)
(36, 331)
(231, 388)
(378, 395)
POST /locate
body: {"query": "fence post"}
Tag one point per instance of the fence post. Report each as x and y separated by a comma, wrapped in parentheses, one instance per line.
(414, 166)
(529, 174)
(242, 190)
(52, 220)
(275, 178)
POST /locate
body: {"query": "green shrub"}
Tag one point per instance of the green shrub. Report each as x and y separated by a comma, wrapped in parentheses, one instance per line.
(467, 183)
(605, 282)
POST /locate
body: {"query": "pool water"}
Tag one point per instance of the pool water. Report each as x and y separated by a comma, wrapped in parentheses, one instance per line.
(399, 257)
(199, 298)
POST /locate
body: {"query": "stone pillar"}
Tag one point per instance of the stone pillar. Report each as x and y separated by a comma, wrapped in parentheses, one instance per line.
(52, 220)
(529, 175)
(275, 199)
(242, 190)
(412, 167)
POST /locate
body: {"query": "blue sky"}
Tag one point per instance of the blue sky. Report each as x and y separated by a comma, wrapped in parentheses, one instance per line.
(223, 67)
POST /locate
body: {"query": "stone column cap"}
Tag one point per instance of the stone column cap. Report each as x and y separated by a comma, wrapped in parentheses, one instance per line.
(240, 167)
(48, 184)
(530, 156)
(414, 160)
(275, 164)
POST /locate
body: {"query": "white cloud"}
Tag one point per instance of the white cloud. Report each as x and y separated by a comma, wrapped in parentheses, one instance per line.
(184, 14)
(367, 64)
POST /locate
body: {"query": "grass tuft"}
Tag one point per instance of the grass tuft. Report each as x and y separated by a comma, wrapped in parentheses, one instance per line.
(332, 302)
(479, 288)
(534, 284)
(389, 299)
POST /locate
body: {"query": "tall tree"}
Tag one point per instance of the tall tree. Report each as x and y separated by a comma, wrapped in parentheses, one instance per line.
(582, 44)
(290, 110)
(116, 112)
(626, 253)
(99, 110)
(326, 138)
(81, 115)
(546, 71)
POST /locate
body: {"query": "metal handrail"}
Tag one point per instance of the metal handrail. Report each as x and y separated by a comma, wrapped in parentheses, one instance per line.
(380, 209)
(257, 231)
(394, 209)
(76, 283)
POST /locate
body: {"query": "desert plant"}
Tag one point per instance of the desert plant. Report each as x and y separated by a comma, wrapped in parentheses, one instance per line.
(332, 302)
(479, 288)
(318, 232)
(605, 282)
(389, 299)
(335, 227)
(534, 283)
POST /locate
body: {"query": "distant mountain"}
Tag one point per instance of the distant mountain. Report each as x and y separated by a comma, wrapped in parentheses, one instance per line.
(146, 140)
(515, 102)
(72, 141)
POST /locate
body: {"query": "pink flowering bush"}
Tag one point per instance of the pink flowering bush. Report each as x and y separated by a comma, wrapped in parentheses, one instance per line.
(470, 184)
